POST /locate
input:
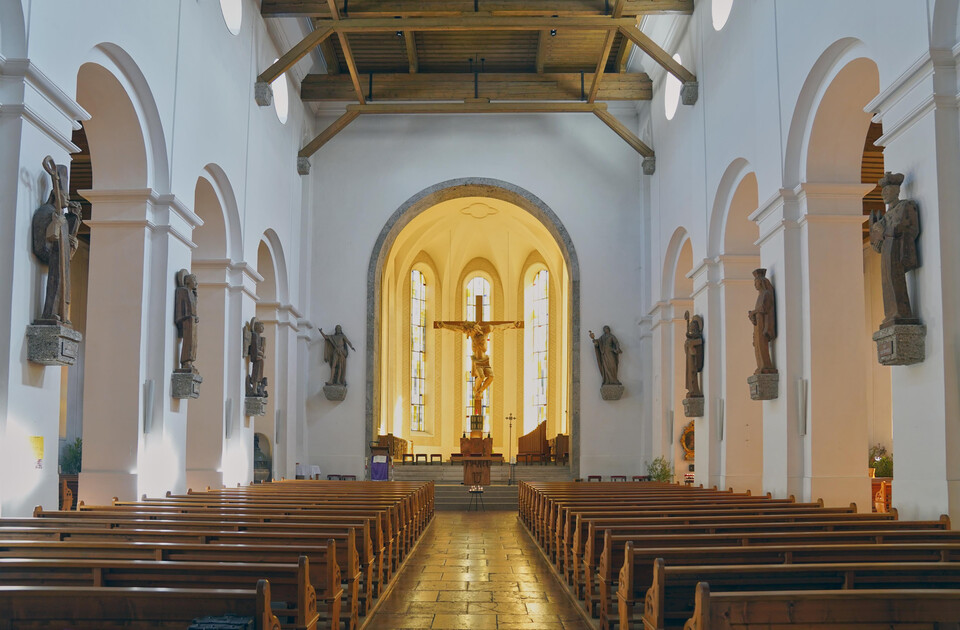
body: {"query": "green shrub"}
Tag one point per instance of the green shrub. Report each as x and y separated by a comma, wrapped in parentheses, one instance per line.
(880, 461)
(70, 457)
(660, 470)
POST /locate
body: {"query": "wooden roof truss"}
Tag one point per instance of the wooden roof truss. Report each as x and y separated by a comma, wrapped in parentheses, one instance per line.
(475, 56)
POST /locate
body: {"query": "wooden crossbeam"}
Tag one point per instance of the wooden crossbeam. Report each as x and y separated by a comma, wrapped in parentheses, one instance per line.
(658, 54)
(330, 56)
(624, 55)
(490, 85)
(543, 39)
(338, 125)
(347, 53)
(410, 39)
(434, 8)
(621, 130)
(476, 22)
(602, 63)
(295, 54)
(353, 111)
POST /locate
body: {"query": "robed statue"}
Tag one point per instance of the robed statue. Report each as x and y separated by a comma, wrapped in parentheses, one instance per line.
(894, 235)
(693, 349)
(608, 351)
(764, 320)
(55, 242)
(255, 350)
(186, 319)
(335, 353)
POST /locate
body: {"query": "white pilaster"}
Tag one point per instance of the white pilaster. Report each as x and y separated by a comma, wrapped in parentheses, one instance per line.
(706, 303)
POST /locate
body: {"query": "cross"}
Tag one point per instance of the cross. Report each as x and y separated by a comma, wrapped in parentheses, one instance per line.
(478, 330)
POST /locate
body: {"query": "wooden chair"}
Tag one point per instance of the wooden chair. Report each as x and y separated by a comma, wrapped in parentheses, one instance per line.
(436, 457)
(348, 477)
(641, 478)
(420, 456)
(594, 477)
(333, 477)
(407, 457)
(618, 477)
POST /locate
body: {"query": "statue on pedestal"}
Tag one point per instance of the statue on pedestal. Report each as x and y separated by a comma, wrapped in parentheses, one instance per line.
(335, 353)
(764, 383)
(901, 338)
(255, 351)
(186, 379)
(693, 349)
(607, 349)
(50, 339)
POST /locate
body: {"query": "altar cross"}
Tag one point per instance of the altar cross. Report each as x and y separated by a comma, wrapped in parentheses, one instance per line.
(478, 330)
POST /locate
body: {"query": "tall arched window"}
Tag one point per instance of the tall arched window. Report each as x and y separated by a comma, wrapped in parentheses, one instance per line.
(476, 286)
(537, 308)
(418, 347)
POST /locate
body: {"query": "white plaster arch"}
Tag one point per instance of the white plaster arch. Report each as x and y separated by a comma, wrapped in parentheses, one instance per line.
(720, 213)
(670, 261)
(831, 63)
(218, 180)
(945, 29)
(272, 242)
(13, 32)
(121, 66)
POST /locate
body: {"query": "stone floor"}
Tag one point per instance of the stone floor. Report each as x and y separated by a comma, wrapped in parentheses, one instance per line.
(477, 571)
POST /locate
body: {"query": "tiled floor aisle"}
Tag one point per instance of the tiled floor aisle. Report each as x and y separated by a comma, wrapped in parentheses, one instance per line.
(477, 571)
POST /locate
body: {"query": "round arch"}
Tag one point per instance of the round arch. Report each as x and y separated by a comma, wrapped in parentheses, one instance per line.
(670, 261)
(455, 189)
(13, 35)
(834, 60)
(215, 176)
(150, 153)
(275, 248)
(720, 214)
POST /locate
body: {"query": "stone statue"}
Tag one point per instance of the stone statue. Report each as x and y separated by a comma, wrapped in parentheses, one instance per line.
(608, 351)
(693, 348)
(764, 319)
(185, 317)
(335, 353)
(255, 349)
(894, 236)
(55, 242)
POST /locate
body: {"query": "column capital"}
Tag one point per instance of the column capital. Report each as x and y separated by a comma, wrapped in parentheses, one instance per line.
(244, 278)
(144, 208)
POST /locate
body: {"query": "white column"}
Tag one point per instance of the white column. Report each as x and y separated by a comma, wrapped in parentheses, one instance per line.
(921, 125)
(741, 453)
(237, 458)
(205, 428)
(268, 313)
(285, 415)
(134, 431)
(36, 119)
(299, 429)
(679, 390)
(706, 303)
(662, 394)
(782, 428)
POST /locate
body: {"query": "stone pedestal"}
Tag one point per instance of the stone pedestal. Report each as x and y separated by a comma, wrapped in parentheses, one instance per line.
(693, 407)
(185, 384)
(52, 343)
(901, 344)
(255, 405)
(335, 392)
(764, 386)
(611, 391)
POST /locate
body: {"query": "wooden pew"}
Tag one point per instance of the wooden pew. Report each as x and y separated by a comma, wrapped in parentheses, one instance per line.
(636, 574)
(98, 608)
(827, 610)
(669, 602)
(294, 597)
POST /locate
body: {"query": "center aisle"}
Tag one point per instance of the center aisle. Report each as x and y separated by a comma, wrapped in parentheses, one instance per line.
(476, 570)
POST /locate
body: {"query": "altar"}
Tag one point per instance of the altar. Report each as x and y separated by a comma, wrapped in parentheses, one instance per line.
(477, 455)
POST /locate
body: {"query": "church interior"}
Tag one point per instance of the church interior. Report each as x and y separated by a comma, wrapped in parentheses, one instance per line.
(479, 314)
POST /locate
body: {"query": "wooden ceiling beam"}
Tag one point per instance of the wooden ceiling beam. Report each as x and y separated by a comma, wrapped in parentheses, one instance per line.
(605, 55)
(338, 125)
(439, 8)
(476, 22)
(658, 54)
(623, 55)
(490, 85)
(330, 56)
(347, 53)
(295, 54)
(543, 40)
(624, 132)
(410, 40)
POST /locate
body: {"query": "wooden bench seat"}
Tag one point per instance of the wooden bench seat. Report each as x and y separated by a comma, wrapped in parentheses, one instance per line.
(826, 610)
(294, 598)
(636, 573)
(99, 608)
(670, 600)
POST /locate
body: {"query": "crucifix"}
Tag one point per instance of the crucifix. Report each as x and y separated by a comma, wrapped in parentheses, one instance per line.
(478, 330)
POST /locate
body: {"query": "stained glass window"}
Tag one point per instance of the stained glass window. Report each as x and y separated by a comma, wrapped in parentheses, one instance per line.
(475, 286)
(418, 348)
(538, 316)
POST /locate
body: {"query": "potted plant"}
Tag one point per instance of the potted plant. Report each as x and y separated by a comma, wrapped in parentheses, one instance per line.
(881, 463)
(660, 470)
